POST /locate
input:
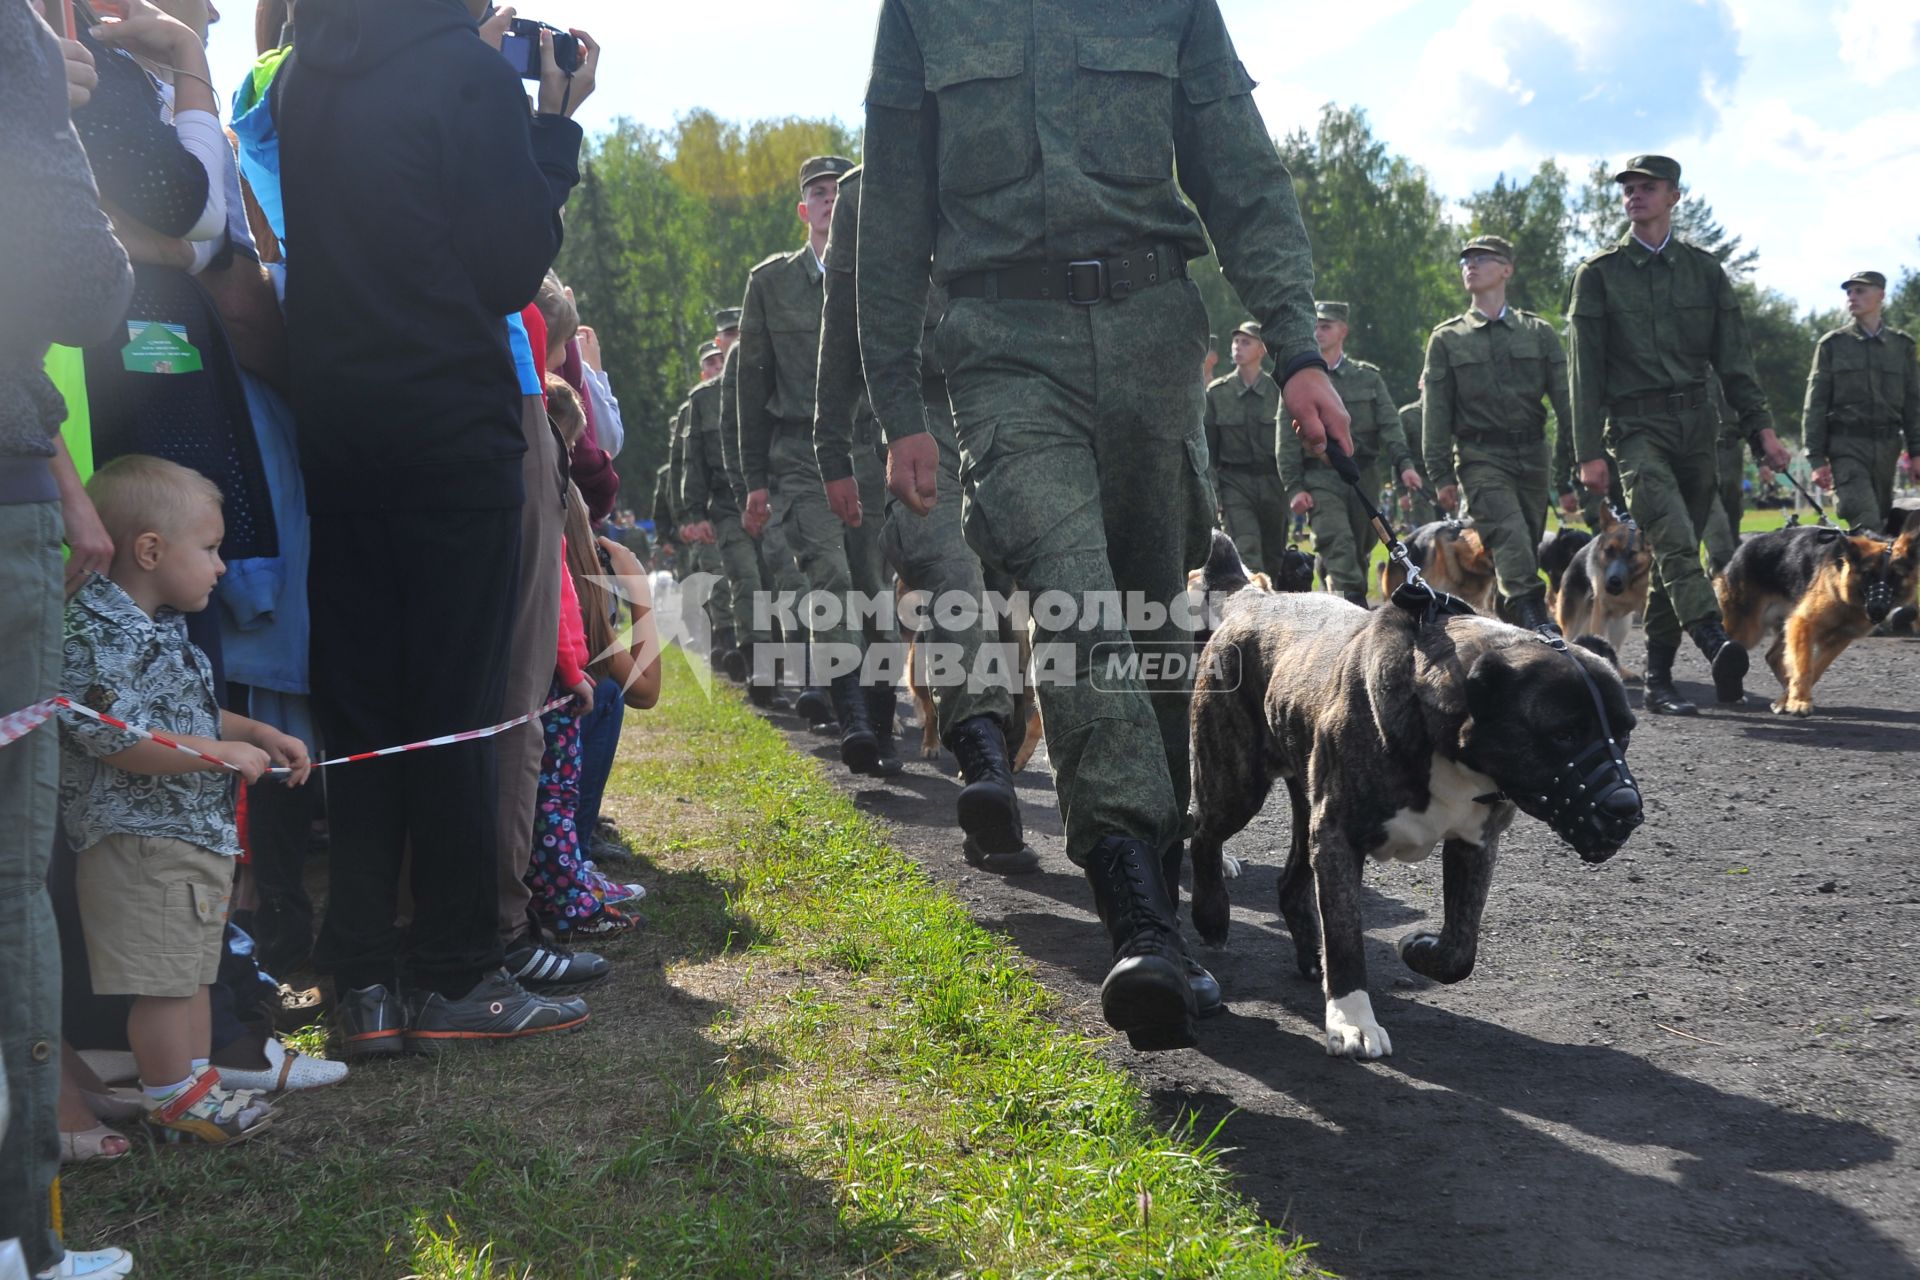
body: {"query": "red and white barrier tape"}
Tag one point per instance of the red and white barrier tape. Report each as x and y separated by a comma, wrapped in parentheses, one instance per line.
(20, 723)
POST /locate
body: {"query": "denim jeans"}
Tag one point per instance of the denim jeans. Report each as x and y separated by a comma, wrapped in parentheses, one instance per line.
(30, 585)
(599, 741)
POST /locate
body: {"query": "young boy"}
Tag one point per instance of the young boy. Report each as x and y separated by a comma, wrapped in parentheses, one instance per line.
(154, 827)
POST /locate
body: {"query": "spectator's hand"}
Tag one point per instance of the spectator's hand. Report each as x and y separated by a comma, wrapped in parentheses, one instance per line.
(1448, 496)
(87, 539)
(1764, 475)
(152, 33)
(1301, 504)
(913, 471)
(589, 347)
(843, 495)
(1411, 479)
(1773, 451)
(561, 94)
(248, 760)
(1593, 474)
(144, 245)
(759, 511)
(1318, 414)
(1822, 477)
(287, 752)
(583, 696)
(82, 78)
(494, 29)
(1569, 503)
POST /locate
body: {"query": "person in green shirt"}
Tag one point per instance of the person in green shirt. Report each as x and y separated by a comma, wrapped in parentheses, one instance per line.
(1025, 157)
(1342, 522)
(1650, 315)
(696, 532)
(1489, 375)
(1416, 505)
(1243, 409)
(1863, 406)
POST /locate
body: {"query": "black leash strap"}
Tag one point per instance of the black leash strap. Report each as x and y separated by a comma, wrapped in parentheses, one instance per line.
(1416, 595)
(1811, 500)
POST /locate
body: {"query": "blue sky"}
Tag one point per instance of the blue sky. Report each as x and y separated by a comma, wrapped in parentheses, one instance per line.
(1800, 122)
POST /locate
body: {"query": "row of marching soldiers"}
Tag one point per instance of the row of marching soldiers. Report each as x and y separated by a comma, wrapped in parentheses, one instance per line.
(775, 486)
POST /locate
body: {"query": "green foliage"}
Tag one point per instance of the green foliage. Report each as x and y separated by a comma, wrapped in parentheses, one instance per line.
(1782, 351)
(1598, 222)
(1533, 215)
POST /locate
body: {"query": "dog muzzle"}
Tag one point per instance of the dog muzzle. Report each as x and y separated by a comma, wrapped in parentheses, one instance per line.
(1879, 601)
(1593, 802)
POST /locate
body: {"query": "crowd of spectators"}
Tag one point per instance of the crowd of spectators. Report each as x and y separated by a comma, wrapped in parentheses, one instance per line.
(331, 457)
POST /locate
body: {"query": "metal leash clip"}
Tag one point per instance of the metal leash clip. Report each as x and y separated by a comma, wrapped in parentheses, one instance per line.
(1416, 595)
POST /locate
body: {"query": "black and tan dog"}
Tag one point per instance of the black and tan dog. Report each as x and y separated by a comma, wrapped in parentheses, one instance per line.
(1452, 556)
(1556, 552)
(1026, 704)
(1815, 591)
(1392, 736)
(1606, 584)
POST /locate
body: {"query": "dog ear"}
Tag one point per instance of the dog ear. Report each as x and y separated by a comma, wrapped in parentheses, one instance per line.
(1488, 680)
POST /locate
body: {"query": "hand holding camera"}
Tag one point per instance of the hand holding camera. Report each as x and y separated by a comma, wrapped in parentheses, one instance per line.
(569, 62)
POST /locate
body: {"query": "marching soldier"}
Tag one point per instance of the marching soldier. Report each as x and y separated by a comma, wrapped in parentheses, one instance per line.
(1343, 532)
(1418, 503)
(1069, 344)
(1863, 405)
(1649, 316)
(696, 532)
(1489, 374)
(1242, 410)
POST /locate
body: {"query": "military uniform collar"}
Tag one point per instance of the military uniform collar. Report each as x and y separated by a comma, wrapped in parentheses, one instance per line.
(1859, 330)
(1258, 387)
(1640, 253)
(1481, 321)
(1339, 364)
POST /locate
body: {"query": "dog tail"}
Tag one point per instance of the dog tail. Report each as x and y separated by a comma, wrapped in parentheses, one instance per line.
(1225, 572)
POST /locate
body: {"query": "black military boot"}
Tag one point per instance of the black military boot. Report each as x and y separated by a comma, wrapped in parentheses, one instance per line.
(1147, 993)
(882, 700)
(733, 663)
(989, 807)
(859, 749)
(1207, 997)
(1729, 660)
(1531, 611)
(1662, 698)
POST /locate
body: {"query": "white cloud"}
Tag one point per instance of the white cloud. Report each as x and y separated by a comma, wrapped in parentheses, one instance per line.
(1878, 39)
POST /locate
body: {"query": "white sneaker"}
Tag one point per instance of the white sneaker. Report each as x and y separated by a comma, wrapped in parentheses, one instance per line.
(95, 1266)
(286, 1069)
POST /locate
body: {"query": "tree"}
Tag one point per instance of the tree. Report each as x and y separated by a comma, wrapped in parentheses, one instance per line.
(1534, 216)
(1782, 343)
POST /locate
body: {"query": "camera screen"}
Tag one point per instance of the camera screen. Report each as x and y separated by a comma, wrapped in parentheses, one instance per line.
(522, 54)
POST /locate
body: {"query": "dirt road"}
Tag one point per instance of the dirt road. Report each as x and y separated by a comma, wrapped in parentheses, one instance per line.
(1701, 1059)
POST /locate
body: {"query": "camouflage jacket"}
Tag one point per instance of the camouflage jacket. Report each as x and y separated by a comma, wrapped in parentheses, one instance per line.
(1485, 382)
(1869, 385)
(779, 352)
(1376, 426)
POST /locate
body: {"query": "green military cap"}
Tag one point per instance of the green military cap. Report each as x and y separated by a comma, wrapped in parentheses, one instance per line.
(1873, 278)
(817, 167)
(1330, 311)
(1252, 330)
(1498, 246)
(1651, 167)
(726, 318)
(708, 349)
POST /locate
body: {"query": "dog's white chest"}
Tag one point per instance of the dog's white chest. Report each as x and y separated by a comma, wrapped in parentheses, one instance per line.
(1451, 813)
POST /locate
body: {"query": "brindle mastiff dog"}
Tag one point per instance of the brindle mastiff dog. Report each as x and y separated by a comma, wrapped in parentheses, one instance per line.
(1393, 734)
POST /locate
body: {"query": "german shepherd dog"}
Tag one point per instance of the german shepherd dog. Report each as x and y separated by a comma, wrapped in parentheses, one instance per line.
(1606, 584)
(1392, 736)
(1454, 558)
(1558, 550)
(1816, 591)
(1026, 704)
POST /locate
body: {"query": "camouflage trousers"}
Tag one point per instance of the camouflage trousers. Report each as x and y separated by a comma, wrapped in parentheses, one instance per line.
(1084, 464)
(1343, 533)
(814, 534)
(866, 545)
(931, 555)
(1863, 467)
(1668, 470)
(740, 582)
(706, 558)
(1722, 532)
(1254, 507)
(1506, 496)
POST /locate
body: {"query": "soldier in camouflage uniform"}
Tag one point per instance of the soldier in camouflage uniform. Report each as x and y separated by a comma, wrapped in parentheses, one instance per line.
(1649, 316)
(1863, 406)
(661, 513)
(1417, 504)
(1035, 174)
(1343, 532)
(1722, 534)
(1243, 409)
(779, 348)
(929, 552)
(1488, 375)
(696, 533)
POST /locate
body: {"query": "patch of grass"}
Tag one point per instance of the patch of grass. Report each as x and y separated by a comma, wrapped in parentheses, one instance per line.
(811, 1062)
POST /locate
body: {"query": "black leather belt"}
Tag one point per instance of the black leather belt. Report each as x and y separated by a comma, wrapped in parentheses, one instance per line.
(1083, 282)
(1517, 436)
(1863, 428)
(1661, 402)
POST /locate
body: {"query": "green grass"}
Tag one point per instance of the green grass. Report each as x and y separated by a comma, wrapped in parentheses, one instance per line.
(811, 1063)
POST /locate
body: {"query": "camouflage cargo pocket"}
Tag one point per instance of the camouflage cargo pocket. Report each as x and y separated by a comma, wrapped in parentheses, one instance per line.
(985, 97)
(1123, 106)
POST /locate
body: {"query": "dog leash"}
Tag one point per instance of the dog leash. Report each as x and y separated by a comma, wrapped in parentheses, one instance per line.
(1415, 595)
(1811, 500)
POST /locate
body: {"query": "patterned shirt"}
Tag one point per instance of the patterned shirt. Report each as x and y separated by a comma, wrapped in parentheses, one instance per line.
(146, 672)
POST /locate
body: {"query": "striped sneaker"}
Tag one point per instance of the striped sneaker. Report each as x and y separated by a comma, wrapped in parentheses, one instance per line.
(498, 1008)
(548, 970)
(369, 1020)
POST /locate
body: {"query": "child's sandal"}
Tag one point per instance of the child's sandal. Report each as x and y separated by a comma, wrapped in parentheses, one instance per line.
(204, 1112)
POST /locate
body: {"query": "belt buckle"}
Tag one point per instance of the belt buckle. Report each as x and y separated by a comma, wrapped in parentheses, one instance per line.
(1676, 401)
(1075, 274)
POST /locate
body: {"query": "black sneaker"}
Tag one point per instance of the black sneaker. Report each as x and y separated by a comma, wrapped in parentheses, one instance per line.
(498, 1008)
(551, 970)
(370, 1021)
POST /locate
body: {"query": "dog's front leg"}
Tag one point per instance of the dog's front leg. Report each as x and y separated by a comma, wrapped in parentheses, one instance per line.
(1467, 871)
(1350, 1025)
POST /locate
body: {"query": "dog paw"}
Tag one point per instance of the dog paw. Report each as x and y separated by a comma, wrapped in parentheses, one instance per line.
(1229, 866)
(930, 753)
(1793, 707)
(1630, 676)
(1352, 1031)
(1417, 950)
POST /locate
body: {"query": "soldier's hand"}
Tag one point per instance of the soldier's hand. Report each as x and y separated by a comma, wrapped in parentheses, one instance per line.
(759, 511)
(1570, 503)
(703, 532)
(1593, 474)
(1764, 475)
(843, 495)
(1318, 413)
(1822, 477)
(1448, 496)
(1302, 503)
(1411, 479)
(1773, 451)
(913, 471)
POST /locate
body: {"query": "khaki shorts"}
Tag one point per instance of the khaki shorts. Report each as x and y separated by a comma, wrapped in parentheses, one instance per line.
(153, 910)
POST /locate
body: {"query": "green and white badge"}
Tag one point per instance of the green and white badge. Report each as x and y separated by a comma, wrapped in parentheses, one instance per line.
(156, 347)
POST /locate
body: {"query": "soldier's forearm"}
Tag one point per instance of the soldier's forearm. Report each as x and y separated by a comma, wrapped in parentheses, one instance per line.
(892, 266)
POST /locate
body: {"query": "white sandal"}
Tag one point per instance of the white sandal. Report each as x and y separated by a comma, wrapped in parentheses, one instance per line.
(286, 1069)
